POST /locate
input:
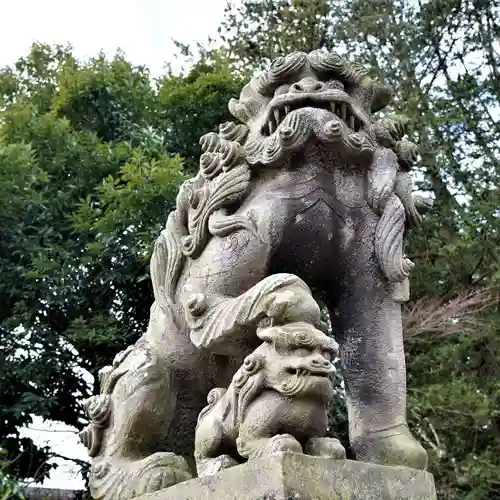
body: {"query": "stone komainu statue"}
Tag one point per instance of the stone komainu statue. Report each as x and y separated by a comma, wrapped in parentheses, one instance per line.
(306, 190)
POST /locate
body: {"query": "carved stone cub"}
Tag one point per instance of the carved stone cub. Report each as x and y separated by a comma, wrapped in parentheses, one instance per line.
(277, 401)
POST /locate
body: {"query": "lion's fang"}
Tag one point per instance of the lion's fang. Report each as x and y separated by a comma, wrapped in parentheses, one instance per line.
(277, 116)
(343, 111)
(271, 126)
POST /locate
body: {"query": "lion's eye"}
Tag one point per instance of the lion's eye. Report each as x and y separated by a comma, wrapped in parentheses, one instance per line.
(327, 355)
(302, 352)
(335, 84)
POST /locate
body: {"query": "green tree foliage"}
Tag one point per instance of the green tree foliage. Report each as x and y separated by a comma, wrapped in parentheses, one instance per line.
(10, 488)
(442, 58)
(89, 171)
(91, 155)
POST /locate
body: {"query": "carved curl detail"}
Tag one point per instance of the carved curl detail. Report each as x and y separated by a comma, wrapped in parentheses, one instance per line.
(281, 69)
(389, 241)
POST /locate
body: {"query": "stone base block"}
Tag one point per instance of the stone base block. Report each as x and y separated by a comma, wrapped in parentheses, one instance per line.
(291, 476)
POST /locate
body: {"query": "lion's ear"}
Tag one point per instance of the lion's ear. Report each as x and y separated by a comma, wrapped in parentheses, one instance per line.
(382, 96)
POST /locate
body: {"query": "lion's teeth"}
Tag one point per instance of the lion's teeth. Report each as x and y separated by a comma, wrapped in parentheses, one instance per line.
(271, 126)
(351, 122)
(343, 111)
(287, 109)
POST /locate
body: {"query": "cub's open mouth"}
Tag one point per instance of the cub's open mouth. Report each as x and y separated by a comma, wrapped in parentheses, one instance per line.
(308, 373)
(341, 107)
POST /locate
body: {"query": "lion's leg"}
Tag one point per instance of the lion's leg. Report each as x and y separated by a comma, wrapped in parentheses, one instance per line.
(227, 292)
(371, 346)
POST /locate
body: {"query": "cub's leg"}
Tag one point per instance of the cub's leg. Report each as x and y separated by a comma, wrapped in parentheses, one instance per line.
(257, 445)
(209, 437)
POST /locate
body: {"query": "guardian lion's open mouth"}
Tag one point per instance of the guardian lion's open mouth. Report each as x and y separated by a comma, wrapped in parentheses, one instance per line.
(337, 102)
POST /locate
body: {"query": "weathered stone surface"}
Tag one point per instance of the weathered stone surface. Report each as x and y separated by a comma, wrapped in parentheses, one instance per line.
(310, 191)
(299, 477)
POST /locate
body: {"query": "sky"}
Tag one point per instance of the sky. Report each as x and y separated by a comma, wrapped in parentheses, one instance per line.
(143, 29)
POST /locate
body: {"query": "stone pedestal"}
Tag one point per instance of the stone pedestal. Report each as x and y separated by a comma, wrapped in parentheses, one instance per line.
(300, 477)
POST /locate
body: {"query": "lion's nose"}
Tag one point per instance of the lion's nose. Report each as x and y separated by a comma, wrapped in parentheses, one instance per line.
(307, 85)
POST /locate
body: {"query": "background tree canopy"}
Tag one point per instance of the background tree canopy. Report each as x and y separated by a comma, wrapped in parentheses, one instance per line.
(89, 171)
(91, 155)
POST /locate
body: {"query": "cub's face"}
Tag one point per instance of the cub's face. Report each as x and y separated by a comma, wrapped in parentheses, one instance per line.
(298, 361)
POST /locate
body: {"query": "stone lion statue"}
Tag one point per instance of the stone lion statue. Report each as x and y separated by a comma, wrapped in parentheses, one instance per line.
(307, 189)
(277, 401)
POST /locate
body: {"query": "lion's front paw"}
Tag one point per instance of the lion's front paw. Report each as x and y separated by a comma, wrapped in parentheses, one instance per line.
(395, 446)
(159, 471)
(325, 447)
(293, 303)
(263, 447)
(284, 442)
(211, 466)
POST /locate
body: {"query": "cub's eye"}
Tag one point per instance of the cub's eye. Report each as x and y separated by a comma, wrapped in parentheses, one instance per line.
(327, 355)
(302, 352)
